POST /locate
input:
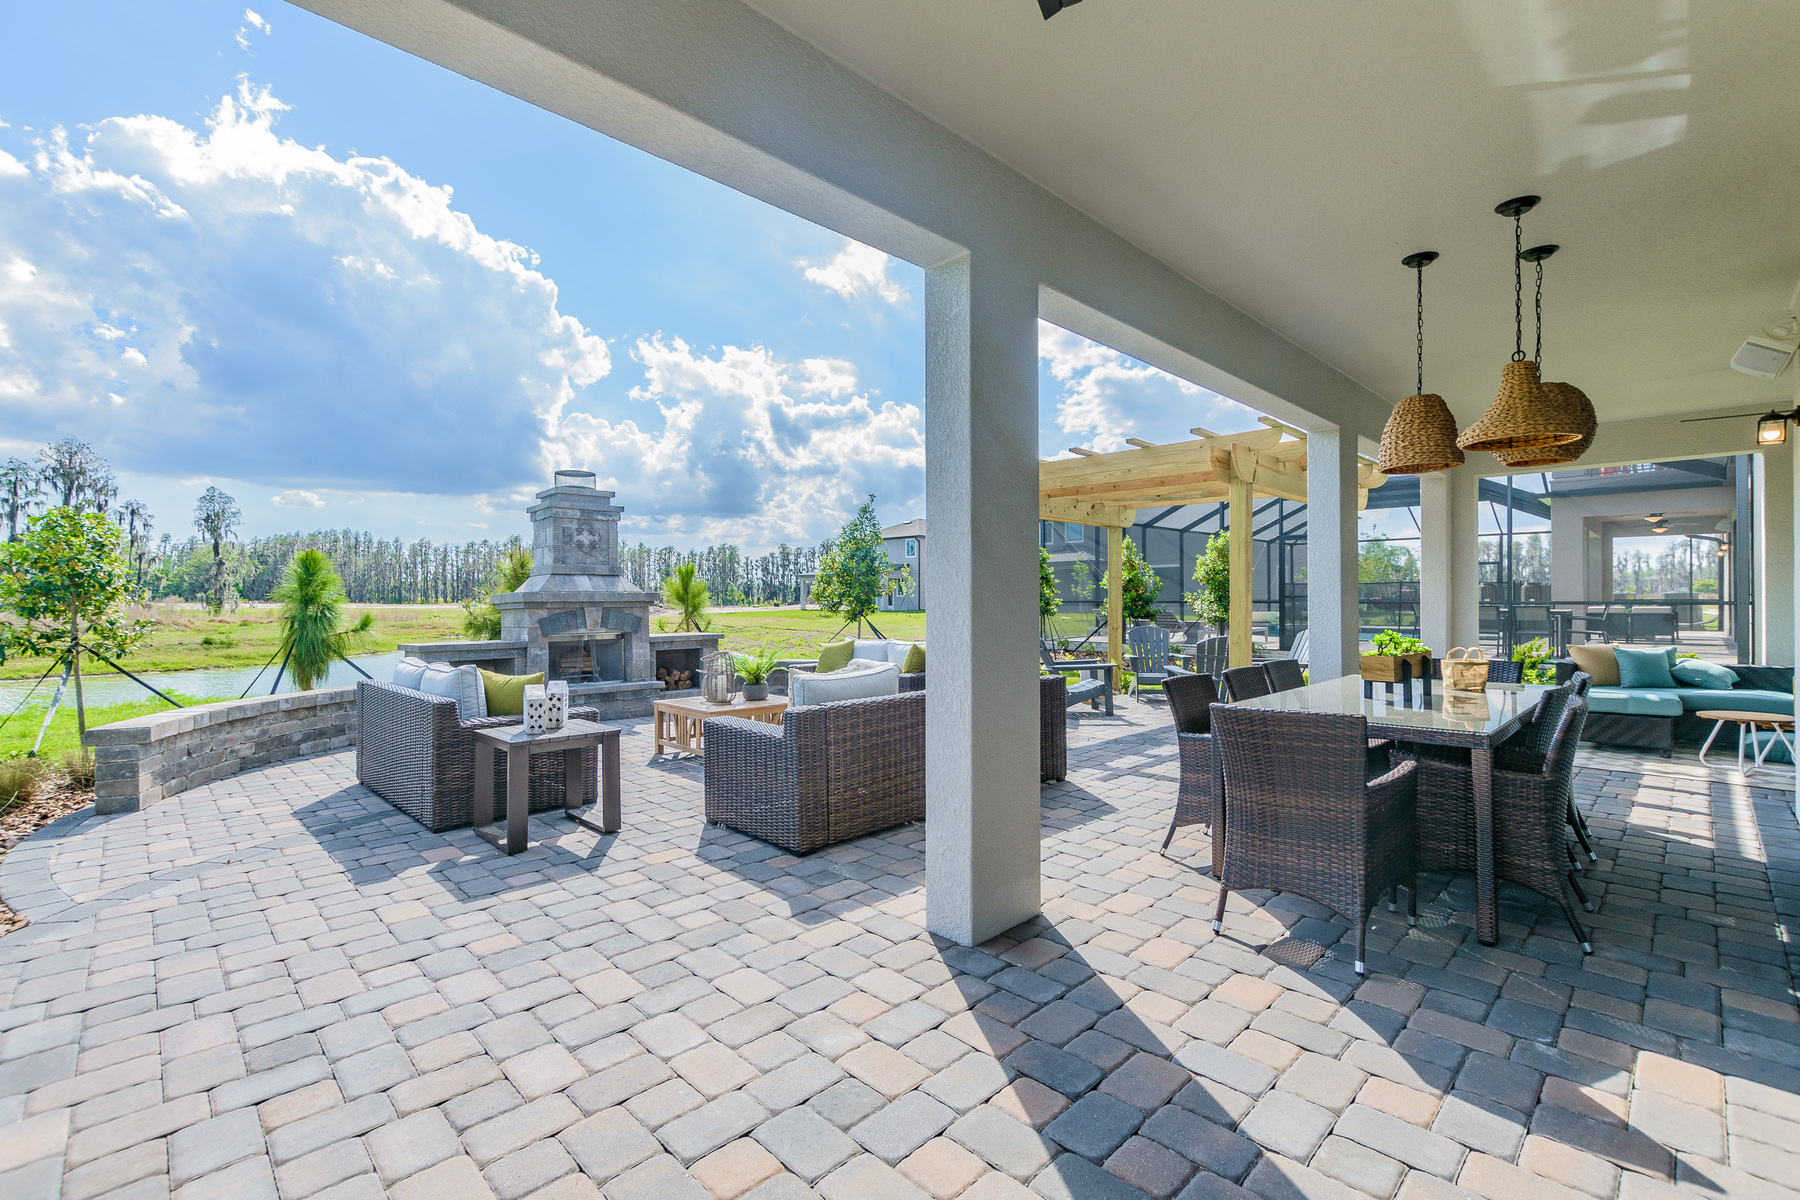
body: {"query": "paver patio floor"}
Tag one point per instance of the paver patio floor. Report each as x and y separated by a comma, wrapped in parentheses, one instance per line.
(277, 984)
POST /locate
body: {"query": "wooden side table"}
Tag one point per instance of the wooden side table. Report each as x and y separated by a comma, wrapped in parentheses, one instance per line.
(519, 746)
(679, 722)
(1746, 722)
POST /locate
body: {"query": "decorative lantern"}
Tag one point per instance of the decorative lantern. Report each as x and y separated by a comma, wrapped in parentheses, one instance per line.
(716, 673)
(536, 706)
(1523, 416)
(556, 705)
(1420, 436)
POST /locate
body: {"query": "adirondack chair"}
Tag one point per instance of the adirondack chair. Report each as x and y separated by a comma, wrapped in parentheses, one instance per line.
(1211, 656)
(1095, 686)
(1147, 653)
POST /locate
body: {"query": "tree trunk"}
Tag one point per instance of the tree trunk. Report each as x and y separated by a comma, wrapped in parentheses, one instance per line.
(75, 657)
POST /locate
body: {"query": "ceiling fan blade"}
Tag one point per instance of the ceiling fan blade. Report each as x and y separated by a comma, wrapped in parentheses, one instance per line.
(1727, 417)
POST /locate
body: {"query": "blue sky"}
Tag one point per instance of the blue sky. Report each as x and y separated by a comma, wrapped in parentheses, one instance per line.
(248, 247)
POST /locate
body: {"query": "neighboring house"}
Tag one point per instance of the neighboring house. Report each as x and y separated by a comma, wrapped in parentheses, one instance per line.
(906, 548)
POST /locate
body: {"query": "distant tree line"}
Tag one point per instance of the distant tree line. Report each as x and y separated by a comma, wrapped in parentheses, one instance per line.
(215, 567)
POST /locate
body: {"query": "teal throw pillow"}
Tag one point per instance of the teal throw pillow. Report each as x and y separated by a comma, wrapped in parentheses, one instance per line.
(1644, 668)
(1697, 673)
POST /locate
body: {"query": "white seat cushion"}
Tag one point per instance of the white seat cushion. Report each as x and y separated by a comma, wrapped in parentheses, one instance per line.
(461, 684)
(858, 681)
(409, 671)
(897, 651)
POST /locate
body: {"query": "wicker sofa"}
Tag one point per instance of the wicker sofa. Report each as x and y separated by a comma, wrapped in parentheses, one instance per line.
(1663, 718)
(414, 752)
(832, 772)
(828, 773)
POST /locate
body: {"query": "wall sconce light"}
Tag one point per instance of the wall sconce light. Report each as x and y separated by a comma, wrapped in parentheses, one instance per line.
(1772, 429)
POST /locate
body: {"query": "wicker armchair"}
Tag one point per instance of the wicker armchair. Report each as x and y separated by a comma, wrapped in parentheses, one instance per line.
(1053, 728)
(829, 773)
(1247, 683)
(1285, 674)
(1302, 816)
(1191, 698)
(414, 752)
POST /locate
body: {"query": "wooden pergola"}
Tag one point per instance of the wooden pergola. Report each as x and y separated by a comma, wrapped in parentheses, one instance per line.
(1235, 468)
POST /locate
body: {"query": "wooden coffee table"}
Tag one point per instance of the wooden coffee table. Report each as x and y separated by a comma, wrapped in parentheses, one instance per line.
(570, 741)
(1747, 721)
(679, 722)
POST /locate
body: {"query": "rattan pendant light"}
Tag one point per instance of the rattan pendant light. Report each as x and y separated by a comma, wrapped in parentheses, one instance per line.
(1559, 393)
(1420, 436)
(1523, 416)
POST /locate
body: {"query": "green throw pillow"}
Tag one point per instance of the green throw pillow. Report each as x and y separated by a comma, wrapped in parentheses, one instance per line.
(506, 693)
(1644, 668)
(915, 660)
(834, 657)
(1697, 673)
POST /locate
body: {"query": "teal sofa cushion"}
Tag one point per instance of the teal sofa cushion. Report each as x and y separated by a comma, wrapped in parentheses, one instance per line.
(1736, 700)
(1778, 751)
(1637, 702)
(1644, 668)
(1698, 673)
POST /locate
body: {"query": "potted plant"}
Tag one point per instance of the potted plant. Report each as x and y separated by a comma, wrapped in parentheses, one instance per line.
(754, 670)
(1391, 650)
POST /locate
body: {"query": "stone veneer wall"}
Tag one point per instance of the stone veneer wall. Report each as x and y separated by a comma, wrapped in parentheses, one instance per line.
(147, 759)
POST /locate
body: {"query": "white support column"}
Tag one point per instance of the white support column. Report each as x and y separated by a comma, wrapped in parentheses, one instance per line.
(1449, 554)
(981, 763)
(1332, 619)
(1775, 548)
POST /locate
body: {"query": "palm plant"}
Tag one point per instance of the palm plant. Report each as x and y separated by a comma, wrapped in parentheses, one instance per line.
(312, 608)
(685, 592)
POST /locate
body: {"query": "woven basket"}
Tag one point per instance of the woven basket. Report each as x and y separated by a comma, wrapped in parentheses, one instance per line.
(1568, 452)
(1523, 416)
(1420, 437)
(1468, 673)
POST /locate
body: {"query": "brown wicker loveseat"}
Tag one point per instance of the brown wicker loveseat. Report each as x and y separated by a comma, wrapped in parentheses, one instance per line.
(415, 753)
(828, 773)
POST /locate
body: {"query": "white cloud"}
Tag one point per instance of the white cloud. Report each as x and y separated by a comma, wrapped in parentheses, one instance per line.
(855, 270)
(1106, 397)
(296, 498)
(284, 303)
(252, 20)
(749, 448)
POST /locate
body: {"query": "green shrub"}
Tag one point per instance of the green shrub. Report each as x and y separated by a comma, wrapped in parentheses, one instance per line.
(21, 779)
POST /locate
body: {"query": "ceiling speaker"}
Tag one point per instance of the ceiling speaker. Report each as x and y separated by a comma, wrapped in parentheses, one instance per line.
(1762, 358)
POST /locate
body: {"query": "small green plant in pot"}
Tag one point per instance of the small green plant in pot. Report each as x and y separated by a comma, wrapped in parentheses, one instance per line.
(1393, 648)
(1530, 656)
(754, 670)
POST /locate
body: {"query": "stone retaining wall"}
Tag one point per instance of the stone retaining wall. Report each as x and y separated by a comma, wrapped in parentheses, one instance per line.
(147, 759)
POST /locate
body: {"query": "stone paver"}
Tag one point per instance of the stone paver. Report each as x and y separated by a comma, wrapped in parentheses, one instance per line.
(276, 982)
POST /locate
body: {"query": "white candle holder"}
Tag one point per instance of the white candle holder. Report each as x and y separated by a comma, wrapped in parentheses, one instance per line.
(556, 705)
(537, 706)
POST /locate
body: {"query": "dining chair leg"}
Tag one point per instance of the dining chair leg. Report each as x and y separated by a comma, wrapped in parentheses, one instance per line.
(1219, 912)
(1412, 902)
(1574, 863)
(1362, 933)
(1388, 897)
(1580, 828)
(1581, 935)
(1171, 835)
(1579, 894)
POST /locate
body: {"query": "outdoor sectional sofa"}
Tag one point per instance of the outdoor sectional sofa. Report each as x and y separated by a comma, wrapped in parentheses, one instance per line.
(1662, 718)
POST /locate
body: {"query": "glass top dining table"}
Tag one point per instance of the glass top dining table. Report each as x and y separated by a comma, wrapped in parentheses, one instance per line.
(1477, 721)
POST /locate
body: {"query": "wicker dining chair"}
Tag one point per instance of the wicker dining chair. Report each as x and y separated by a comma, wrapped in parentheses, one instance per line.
(1301, 816)
(1247, 683)
(1285, 675)
(1191, 698)
(1527, 749)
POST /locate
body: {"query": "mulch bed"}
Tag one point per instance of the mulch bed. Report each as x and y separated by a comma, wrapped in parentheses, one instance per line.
(57, 798)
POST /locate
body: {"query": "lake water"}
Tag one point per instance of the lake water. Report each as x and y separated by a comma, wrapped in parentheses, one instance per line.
(114, 689)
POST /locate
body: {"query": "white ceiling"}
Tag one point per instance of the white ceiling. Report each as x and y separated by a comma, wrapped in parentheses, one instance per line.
(1286, 156)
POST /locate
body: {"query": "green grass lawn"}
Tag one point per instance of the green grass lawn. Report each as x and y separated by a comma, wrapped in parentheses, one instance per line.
(21, 728)
(798, 633)
(187, 637)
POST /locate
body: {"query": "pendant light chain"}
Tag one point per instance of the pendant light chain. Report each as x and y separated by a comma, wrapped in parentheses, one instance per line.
(1419, 388)
(1538, 357)
(1518, 290)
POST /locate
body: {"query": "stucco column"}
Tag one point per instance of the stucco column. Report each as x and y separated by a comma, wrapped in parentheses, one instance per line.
(1449, 559)
(1775, 551)
(1568, 553)
(1332, 621)
(981, 762)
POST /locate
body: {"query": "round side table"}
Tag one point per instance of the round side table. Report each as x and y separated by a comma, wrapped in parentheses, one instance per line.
(1747, 721)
